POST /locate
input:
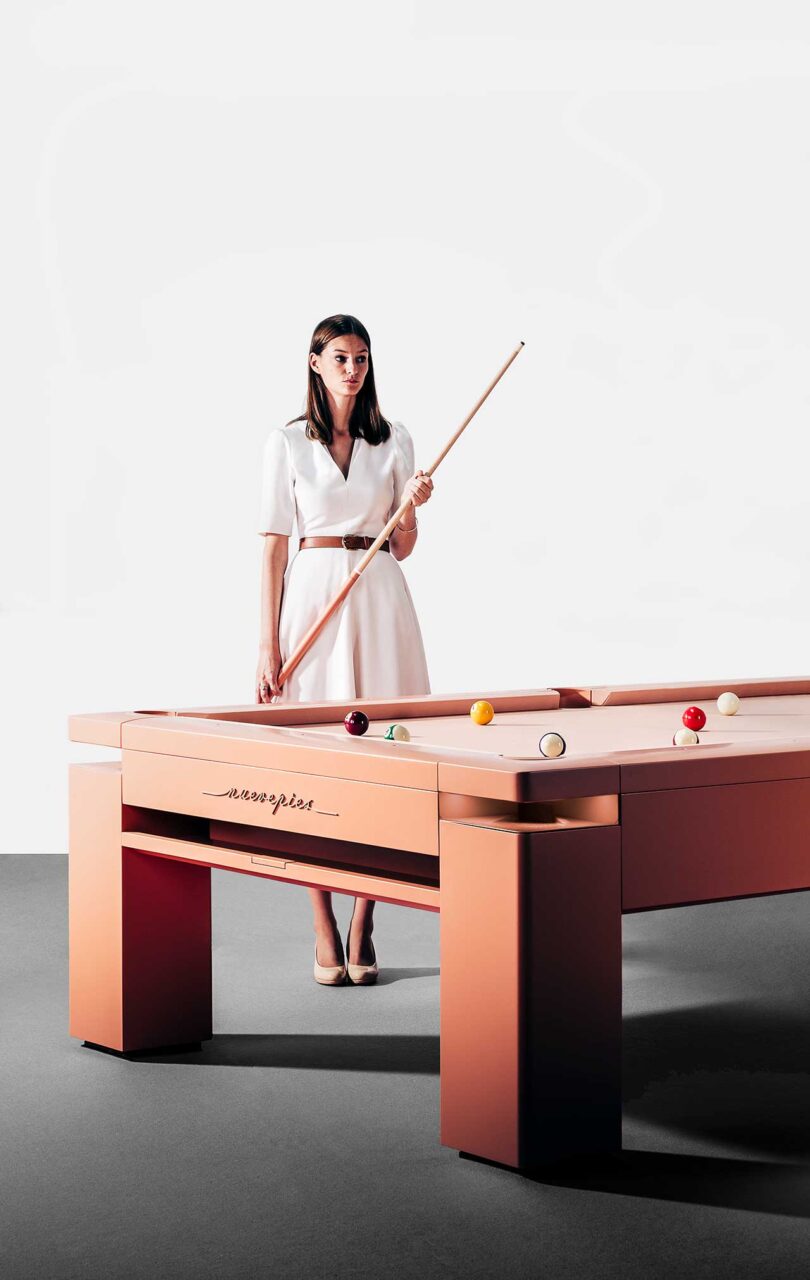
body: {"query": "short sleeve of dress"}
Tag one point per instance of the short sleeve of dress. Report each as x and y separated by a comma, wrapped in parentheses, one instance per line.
(403, 461)
(277, 505)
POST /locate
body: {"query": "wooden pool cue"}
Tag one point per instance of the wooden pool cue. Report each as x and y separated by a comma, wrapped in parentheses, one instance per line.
(333, 606)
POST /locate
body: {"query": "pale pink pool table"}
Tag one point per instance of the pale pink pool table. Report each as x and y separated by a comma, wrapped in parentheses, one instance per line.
(530, 863)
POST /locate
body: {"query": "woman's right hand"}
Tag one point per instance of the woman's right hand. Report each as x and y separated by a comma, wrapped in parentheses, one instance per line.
(267, 669)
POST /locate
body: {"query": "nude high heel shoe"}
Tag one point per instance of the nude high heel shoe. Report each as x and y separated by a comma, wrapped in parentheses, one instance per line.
(361, 975)
(328, 975)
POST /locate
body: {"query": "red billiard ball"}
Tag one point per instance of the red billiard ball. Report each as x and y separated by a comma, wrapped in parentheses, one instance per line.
(694, 718)
(356, 722)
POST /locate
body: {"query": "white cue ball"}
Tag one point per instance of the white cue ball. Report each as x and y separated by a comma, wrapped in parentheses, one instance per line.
(728, 704)
(400, 734)
(552, 745)
(685, 738)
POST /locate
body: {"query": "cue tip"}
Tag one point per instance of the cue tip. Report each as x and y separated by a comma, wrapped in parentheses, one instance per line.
(522, 343)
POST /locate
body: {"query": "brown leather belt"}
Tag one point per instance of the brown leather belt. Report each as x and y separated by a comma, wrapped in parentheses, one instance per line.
(349, 542)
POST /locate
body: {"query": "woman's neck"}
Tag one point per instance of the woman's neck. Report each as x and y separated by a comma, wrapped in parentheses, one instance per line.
(341, 411)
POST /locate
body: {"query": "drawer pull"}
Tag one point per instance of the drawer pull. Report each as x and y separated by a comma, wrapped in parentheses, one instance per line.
(269, 862)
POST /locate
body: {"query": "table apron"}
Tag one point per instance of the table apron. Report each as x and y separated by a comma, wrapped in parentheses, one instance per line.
(364, 812)
(703, 844)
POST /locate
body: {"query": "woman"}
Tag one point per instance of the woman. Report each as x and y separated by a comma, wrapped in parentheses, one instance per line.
(340, 468)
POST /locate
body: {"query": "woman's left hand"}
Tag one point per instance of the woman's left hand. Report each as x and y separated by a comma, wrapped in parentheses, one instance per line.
(418, 489)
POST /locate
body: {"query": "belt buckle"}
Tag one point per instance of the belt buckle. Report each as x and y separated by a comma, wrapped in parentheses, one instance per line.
(351, 541)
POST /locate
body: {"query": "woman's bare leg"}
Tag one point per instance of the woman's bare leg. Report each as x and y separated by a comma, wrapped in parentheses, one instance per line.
(360, 948)
(329, 945)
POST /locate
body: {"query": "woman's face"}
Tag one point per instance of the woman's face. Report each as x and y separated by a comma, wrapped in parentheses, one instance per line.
(343, 365)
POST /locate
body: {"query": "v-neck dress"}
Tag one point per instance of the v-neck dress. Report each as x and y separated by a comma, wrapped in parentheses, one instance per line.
(372, 647)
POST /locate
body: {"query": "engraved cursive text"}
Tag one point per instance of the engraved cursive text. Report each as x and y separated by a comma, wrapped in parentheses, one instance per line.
(276, 802)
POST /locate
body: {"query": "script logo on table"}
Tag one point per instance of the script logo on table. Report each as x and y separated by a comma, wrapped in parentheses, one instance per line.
(276, 802)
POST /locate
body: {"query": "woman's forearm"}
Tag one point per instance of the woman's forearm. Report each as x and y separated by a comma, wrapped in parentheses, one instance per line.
(405, 533)
(274, 563)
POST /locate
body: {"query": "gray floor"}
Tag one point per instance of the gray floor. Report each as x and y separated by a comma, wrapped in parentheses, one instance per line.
(303, 1140)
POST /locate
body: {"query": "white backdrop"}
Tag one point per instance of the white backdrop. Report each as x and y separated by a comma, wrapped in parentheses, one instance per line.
(190, 187)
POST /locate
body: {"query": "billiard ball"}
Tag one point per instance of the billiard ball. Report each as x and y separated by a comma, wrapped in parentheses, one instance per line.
(685, 738)
(728, 704)
(552, 745)
(397, 733)
(356, 723)
(694, 718)
(482, 712)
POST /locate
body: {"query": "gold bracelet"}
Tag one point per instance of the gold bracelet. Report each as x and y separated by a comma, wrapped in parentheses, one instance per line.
(413, 530)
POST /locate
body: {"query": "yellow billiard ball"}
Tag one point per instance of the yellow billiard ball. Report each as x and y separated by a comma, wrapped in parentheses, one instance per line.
(482, 712)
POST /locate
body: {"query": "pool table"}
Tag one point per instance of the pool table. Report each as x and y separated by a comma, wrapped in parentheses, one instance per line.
(529, 861)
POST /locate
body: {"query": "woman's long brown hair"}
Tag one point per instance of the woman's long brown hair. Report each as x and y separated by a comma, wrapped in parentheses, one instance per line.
(366, 422)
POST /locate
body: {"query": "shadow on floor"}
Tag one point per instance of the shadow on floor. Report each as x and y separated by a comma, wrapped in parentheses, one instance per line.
(388, 976)
(735, 1074)
(409, 1055)
(753, 1185)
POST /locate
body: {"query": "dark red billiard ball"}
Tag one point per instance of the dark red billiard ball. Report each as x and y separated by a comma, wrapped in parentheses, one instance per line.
(356, 722)
(694, 718)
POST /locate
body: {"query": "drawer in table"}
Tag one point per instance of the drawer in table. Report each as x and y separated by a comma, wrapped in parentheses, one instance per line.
(368, 812)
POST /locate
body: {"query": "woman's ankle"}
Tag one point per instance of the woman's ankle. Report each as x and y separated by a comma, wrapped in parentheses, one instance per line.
(328, 943)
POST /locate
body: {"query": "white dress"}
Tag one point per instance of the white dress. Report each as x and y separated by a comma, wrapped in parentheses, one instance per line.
(372, 647)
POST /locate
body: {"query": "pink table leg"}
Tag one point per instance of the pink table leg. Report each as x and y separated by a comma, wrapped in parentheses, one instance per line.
(530, 992)
(140, 930)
